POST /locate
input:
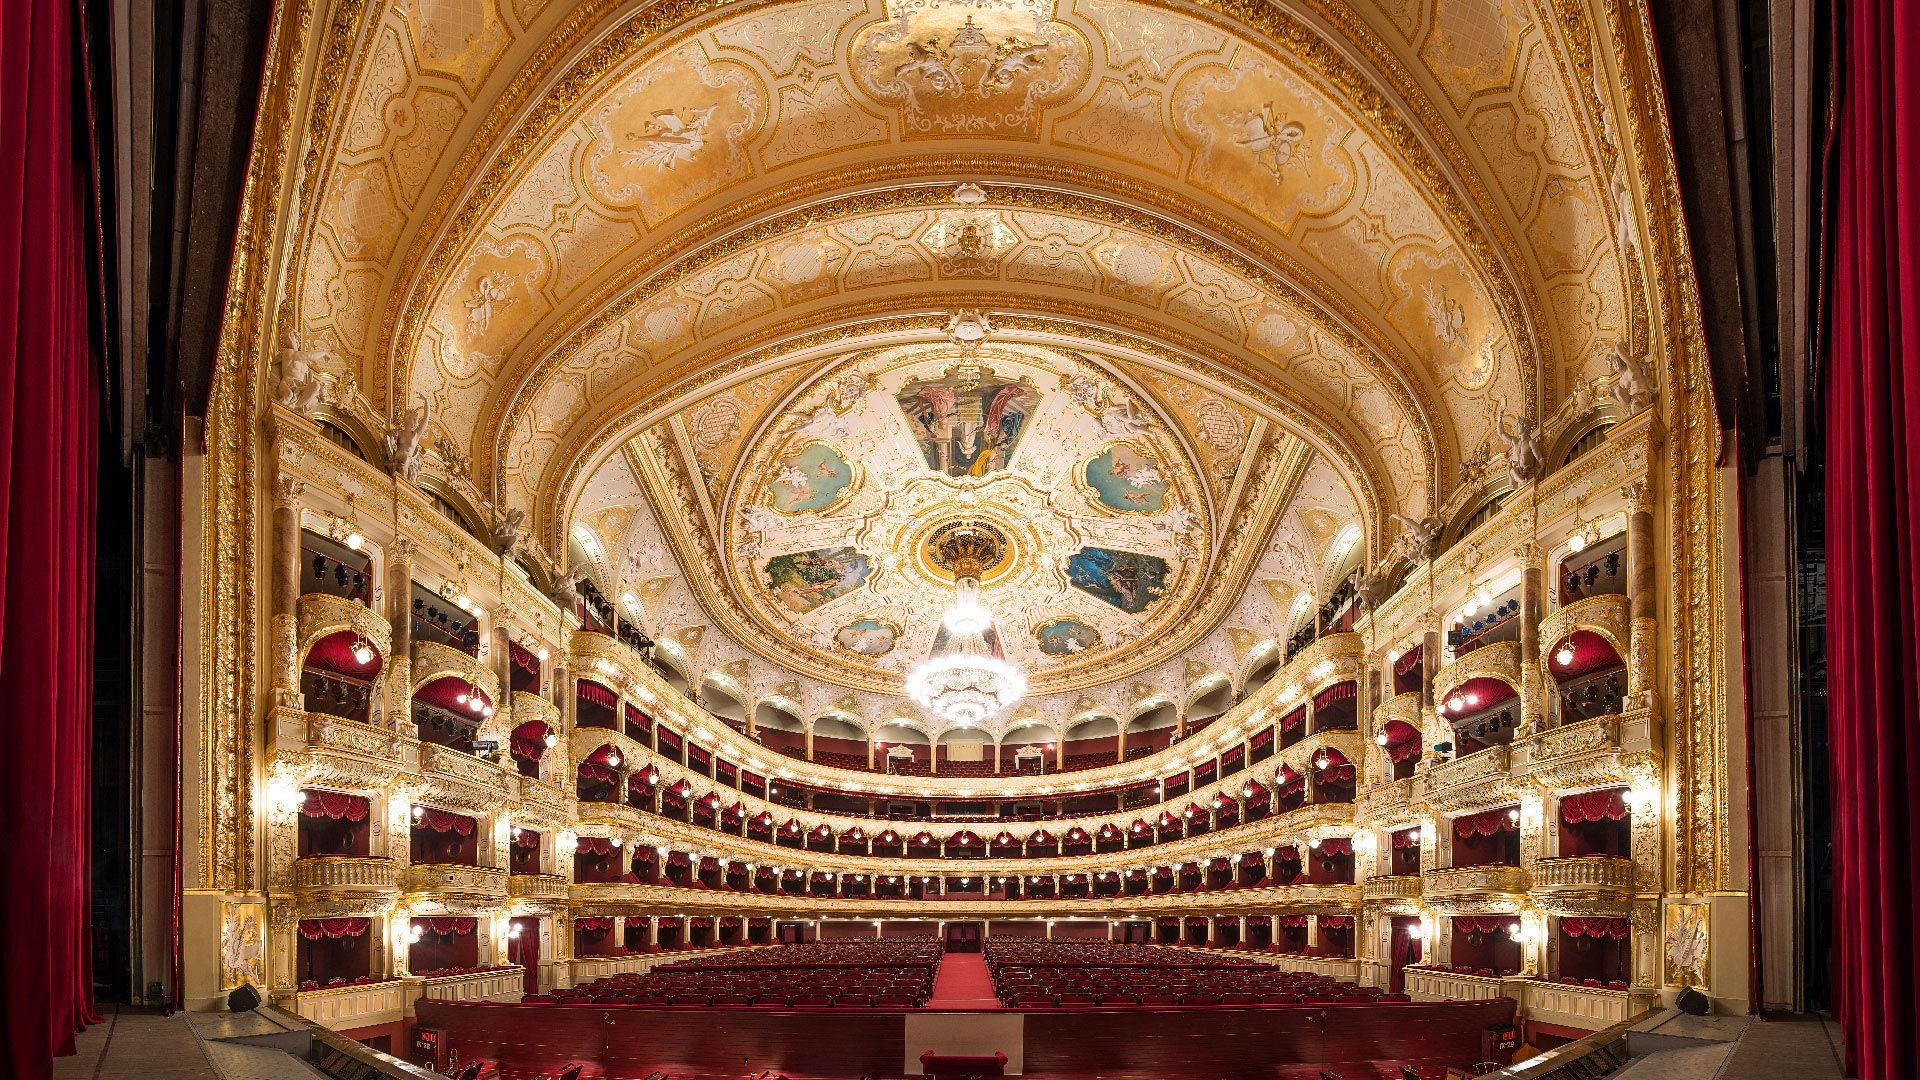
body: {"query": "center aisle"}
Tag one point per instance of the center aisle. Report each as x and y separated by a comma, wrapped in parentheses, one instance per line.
(962, 982)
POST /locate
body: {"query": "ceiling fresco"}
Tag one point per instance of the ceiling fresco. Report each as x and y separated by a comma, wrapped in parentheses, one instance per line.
(739, 302)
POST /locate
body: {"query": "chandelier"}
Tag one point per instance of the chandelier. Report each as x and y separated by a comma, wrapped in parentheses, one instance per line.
(964, 682)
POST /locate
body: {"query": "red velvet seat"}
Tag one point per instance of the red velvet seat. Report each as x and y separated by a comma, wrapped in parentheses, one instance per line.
(1033, 1001)
(1082, 1000)
(1239, 999)
(856, 1001)
(813, 1001)
(1119, 999)
(1159, 999)
(1199, 999)
(893, 1001)
(769, 999)
(731, 999)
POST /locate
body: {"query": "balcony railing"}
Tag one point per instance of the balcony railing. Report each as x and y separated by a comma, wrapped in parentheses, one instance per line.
(445, 881)
(344, 1008)
(1586, 878)
(1403, 887)
(537, 887)
(1475, 883)
(500, 984)
(1589, 1007)
(336, 876)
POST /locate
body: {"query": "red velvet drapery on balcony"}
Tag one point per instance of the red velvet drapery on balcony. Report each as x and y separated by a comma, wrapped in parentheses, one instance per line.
(48, 435)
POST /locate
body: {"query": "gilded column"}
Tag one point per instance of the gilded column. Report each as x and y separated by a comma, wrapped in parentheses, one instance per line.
(500, 724)
(1533, 690)
(400, 615)
(1640, 593)
(1433, 729)
(286, 592)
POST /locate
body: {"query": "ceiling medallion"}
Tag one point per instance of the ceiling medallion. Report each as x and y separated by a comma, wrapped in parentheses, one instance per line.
(965, 680)
(967, 547)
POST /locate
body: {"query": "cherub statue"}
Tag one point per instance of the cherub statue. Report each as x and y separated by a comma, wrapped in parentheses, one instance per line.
(1417, 538)
(406, 443)
(1372, 587)
(506, 531)
(297, 387)
(1631, 390)
(1523, 449)
(566, 589)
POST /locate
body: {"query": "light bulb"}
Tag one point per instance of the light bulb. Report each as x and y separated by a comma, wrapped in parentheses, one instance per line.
(1381, 739)
(514, 832)
(1577, 542)
(1314, 844)
(1513, 814)
(460, 698)
(1565, 656)
(541, 654)
(552, 739)
(1393, 656)
(1414, 834)
(513, 933)
(1416, 932)
(476, 703)
(1513, 930)
(362, 654)
(354, 540)
(613, 760)
(1468, 609)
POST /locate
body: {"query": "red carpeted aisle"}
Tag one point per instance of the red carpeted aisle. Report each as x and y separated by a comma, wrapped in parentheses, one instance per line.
(963, 983)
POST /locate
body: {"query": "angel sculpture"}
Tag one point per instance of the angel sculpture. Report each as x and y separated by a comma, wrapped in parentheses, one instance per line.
(1523, 449)
(297, 387)
(1417, 538)
(566, 589)
(1631, 391)
(506, 532)
(406, 443)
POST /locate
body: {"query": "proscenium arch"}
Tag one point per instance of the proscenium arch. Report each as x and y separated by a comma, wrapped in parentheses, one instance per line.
(1399, 374)
(1276, 30)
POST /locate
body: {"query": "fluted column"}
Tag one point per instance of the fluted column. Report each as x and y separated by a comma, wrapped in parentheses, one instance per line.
(501, 724)
(1640, 592)
(286, 592)
(1533, 699)
(399, 666)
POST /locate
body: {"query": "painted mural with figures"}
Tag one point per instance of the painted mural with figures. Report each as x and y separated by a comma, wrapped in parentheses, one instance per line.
(967, 421)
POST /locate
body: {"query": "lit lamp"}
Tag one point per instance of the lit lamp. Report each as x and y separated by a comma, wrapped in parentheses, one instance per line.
(966, 682)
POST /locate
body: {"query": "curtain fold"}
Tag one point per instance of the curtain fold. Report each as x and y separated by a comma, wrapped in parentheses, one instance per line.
(1872, 434)
(48, 431)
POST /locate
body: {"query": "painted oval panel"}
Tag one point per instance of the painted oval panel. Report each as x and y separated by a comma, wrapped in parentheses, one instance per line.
(812, 479)
(1066, 637)
(1126, 478)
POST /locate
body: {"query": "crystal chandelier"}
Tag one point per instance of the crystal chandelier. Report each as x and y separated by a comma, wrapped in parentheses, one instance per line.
(964, 683)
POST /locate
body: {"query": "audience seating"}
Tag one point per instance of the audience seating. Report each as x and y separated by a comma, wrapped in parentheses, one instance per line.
(886, 974)
(1083, 975)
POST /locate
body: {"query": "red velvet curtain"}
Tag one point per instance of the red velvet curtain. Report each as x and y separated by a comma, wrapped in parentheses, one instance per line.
(1873, 537)
(48, 417)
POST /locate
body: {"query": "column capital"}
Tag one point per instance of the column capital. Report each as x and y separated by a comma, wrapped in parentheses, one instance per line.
(287, 491)
(1638, 495)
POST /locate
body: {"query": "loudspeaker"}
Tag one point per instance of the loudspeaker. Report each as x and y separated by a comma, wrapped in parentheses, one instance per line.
(1693, 1002)
(244, 998)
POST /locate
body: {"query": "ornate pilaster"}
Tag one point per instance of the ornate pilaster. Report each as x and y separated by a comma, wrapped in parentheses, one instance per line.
(500, 725)
(1641, 578)
(285, 629)
(399, 668)
(1533, 697)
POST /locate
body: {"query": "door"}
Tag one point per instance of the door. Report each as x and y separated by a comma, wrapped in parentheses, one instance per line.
(1403, 949)
(523, 948)
(963, 937)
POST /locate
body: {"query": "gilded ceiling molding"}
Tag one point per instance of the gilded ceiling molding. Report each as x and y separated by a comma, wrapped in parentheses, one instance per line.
(407, 318)
(875, 322)
(1400, 376)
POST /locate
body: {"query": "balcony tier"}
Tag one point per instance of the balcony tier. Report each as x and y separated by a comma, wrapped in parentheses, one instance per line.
(537, 887)
(457, 884)
(338, 878)
(1402, 888)
(1584, 880)
(1498, 661)
(1480, 888)
(344, 1008)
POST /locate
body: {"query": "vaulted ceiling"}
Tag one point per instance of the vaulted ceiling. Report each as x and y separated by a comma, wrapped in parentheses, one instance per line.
(1294, 260)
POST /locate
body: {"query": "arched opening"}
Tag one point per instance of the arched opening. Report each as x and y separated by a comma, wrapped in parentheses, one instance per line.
(1265, 665)
(1215, 696)
(1027, 750)
(840, 742)
(1092, 742)
(902, 750)
(339, 676)
(965, 752)
(723, 702)
(1151, 731)
(779, 730)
